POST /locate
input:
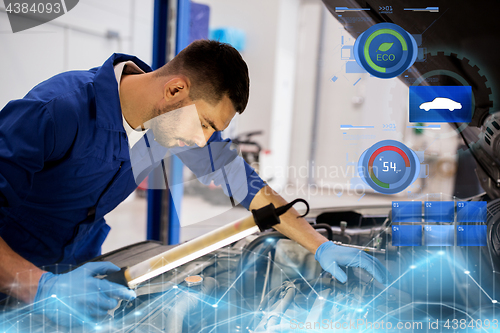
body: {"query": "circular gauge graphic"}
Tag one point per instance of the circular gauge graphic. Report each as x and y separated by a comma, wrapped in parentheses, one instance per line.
(389, 167)
(385, 50)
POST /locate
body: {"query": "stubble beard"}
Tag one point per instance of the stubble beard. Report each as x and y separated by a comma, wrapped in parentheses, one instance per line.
(165, 123)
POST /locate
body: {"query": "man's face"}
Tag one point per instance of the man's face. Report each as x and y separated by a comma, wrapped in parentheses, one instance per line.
(190, 123)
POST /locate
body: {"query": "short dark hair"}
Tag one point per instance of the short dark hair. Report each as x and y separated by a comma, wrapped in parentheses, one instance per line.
(214, 69)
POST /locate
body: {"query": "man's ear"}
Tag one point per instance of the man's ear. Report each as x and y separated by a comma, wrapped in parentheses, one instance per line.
(176, 89)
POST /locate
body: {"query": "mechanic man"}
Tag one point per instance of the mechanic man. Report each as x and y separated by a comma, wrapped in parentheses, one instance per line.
(65, 163)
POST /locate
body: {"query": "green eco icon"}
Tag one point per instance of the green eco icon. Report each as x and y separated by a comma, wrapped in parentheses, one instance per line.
(384, 47)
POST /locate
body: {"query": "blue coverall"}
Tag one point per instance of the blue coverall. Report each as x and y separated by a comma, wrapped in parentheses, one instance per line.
(65, 163)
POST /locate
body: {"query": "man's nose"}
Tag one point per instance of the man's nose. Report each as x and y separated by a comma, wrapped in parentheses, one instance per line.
(200, 140)
(203, 138)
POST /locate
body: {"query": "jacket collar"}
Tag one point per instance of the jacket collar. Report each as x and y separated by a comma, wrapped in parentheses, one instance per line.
(108, 109)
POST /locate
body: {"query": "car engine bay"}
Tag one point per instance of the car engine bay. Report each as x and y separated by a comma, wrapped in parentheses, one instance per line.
(268, 283)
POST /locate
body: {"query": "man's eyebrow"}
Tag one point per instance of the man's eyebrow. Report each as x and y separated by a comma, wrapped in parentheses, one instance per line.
(211, 123)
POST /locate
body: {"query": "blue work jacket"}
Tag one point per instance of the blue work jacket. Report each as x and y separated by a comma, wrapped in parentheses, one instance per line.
(65, 163)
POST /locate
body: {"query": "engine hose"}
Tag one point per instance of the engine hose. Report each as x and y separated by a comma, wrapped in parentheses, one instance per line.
(248, 249)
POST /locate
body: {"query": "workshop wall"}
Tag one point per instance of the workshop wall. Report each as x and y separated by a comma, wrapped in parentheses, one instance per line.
(80, 39)
(259, 54)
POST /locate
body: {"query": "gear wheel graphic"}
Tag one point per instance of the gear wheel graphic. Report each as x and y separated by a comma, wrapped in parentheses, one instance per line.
(448, 69)
(445, 68)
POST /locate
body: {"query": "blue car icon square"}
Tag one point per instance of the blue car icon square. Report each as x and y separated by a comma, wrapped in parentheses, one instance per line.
(440, 104)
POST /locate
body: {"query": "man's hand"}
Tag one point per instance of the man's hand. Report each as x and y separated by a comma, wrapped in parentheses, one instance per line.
(18, 277)
(78, 296)
(330, 256)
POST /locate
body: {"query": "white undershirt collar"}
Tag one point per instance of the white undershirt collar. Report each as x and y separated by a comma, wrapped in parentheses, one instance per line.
(129, 67)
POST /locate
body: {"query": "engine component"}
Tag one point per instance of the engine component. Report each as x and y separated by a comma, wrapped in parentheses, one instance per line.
(486, 152)
(493, 219)
(193, 280)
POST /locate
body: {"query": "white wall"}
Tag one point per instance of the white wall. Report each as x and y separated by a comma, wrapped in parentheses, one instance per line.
(258, 19)
(305, 90)
(76, 40)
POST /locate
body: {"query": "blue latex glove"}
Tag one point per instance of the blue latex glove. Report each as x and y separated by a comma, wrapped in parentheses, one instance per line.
(330, 256)
(79, 296)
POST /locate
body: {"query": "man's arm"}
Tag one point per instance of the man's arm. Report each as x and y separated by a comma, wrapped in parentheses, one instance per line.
(329, 255)
(27, 139)
(18, 276)
(292, 226)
